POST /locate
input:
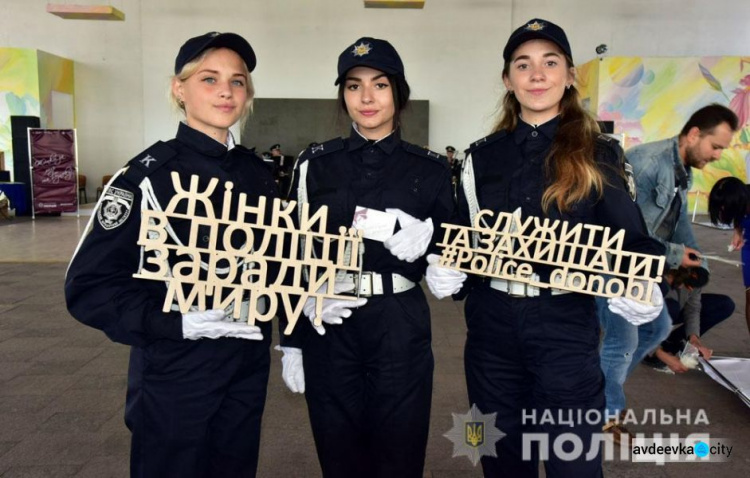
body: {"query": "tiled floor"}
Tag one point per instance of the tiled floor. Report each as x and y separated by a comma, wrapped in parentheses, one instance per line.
(62, 384)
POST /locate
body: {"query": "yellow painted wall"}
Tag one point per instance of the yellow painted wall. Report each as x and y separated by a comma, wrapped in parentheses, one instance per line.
(27, 79)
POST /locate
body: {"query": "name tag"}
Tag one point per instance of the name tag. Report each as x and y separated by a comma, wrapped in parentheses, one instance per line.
(376, 225)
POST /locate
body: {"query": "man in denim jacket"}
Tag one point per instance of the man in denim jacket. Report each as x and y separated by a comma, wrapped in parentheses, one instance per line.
(663, 176)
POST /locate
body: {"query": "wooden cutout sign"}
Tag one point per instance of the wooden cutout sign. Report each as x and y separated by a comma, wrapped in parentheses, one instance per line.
(239, 279)
(587, 258)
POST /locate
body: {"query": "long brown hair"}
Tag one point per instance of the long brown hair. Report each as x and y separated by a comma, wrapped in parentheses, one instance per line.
(570, 164)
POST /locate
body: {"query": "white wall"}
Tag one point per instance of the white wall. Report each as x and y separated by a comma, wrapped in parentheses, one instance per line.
(452, 52)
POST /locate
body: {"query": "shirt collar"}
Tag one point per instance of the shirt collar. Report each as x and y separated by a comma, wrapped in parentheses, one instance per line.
(201, 142)
(680, 166)
(523, 129)
(387, 143)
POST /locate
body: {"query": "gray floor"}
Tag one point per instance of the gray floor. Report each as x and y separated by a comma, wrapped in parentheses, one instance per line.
(62, 384)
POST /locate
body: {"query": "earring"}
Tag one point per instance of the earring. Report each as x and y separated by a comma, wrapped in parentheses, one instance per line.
(568, 87)
(181, 102)
(511, 92)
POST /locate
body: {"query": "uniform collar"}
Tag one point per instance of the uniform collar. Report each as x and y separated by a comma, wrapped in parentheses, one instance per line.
(201, 142)
(523, 129)
(387, 144)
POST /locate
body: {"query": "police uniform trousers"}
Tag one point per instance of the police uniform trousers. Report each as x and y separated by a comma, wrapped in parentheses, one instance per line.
(369, 388)
(194, 407)
(535, 354)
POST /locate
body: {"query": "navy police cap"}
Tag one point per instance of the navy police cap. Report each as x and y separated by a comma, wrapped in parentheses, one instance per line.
(377, 54)
(197, 45)
(536, 29)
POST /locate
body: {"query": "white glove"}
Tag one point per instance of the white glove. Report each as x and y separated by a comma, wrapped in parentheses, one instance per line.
(411, 242)
(210, 324)
(334, 310)
(635, 312)
(441, 280)
(291, 368)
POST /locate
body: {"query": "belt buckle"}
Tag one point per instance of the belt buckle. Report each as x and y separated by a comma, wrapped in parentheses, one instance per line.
(363, 278)
(517, 289)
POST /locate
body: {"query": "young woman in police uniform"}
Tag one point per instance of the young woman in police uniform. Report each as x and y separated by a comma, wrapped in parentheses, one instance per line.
(368, 374)
(527, 353)
(197, 381)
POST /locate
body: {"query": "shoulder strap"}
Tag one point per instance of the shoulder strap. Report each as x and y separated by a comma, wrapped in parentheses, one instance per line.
(481, 143)
(322, 149)
(148, 161)
(425, 153)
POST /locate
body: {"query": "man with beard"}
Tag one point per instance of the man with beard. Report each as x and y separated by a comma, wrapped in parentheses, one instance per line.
(663, 175)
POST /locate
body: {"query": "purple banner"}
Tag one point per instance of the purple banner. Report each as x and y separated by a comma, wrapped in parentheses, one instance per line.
(54, 174)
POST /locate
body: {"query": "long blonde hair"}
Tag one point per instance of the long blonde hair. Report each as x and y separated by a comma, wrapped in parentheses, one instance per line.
(570, 164)
(191, 67)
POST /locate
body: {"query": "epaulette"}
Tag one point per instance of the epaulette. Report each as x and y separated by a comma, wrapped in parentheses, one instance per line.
(612, 146)
(144, 164)
(249, 151)
(425, 153)
(322, 149)
(480, 143)
(610, 153)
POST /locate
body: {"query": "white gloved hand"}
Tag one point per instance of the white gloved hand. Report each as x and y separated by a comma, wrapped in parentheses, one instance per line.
(291, 368)
(441, 280)
(211, 324)
(334, 310)
(635, 312)
(412, 241)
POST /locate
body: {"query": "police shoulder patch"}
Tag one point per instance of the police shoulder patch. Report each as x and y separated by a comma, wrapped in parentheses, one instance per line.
(322, 149)
(114, 208)
(487, 140)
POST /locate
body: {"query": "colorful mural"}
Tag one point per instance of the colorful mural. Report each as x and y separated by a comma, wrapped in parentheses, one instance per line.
(651, 98)
(28, 81)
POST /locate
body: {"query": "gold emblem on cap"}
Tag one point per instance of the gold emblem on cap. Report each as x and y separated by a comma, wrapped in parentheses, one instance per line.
(362, 49)
(535, 27)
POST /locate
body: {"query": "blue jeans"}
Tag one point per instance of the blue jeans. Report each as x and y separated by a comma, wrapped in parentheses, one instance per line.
(623, 347)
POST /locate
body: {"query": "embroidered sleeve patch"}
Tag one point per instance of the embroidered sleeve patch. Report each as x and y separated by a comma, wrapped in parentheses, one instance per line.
(115, 207)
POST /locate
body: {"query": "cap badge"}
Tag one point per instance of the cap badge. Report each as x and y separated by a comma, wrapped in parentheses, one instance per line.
(362, 49)
(535, 27)
(215, 34)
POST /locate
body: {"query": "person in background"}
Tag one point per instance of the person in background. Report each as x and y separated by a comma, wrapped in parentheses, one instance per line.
(663, 172)
(454, 163)
(282, 170)
(693, 313)
(197, 380)
(729, 204)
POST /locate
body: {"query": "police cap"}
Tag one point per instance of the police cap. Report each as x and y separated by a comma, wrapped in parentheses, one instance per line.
(197, 45)
(536, 29)
(450, 149)
(275, 146)
(377, 54)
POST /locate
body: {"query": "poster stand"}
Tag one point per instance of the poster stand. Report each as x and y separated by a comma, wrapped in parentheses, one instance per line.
(53, 171)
